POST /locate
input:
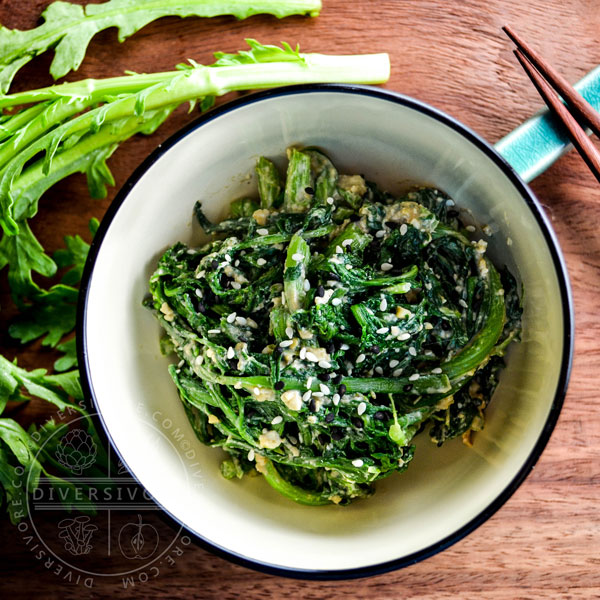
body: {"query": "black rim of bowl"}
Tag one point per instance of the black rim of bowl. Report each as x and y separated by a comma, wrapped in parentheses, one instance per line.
(551, 242)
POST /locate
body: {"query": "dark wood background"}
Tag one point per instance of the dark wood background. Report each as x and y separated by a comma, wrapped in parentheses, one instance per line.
(545, 542)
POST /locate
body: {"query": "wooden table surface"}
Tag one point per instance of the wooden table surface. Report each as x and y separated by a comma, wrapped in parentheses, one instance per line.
(545, 541)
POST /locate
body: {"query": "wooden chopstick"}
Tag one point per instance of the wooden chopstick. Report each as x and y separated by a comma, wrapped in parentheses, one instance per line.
(570, 95)
(580, 140)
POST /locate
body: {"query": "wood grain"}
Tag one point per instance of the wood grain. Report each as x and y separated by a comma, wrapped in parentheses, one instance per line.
(545, 541)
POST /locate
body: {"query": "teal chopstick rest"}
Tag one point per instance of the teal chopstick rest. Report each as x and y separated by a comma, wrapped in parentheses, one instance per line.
(533, 146)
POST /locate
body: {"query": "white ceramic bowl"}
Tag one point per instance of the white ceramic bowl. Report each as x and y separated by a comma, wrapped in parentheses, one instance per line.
(447, 491)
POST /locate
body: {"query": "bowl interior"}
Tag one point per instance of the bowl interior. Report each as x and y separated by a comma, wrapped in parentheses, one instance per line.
(446, 488)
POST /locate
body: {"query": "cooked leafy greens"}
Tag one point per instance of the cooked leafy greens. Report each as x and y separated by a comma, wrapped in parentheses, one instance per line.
(327, 324)
(69, 28)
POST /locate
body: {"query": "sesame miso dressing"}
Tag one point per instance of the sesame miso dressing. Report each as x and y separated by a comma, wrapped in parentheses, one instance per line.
(327, 323)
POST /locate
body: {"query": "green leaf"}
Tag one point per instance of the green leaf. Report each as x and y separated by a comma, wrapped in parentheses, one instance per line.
(69, 28)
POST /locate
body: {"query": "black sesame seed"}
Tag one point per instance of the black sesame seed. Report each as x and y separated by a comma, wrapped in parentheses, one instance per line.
(375, 349)
(439, 443)
(224, 280)
(330, 348)
(342, 389)
(320, 291)
(330, 417)
(357, 423)
(337, 379)
(312, 405)
(278, 350)
(279, 385)
(380, 415)
(333, 276)
(233, 363)
(337, 434)
(214, 264)
(323, 438)
(324, 376)
(201, 308)
(446, 326)
(309, 190)
(408, 388)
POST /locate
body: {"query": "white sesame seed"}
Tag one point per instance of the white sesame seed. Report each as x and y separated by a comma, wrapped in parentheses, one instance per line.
(230, 352)
(228, 258)
(361, 408)
(278, 419)
(412, 351)
(261, 262)
(380, 233)
(382, 330)
(404, 336)
(241, 320)
(318, 394)
(330, 200)
(324, 364)
(306, 285)
(357, 462)
(395, 330)
(394, 363)
(252, 323)
(360, 358)
(437, 370)
(386, 266)
(200, 274)
(349, 267)
(347, 242)
(379, 370)
(335, 399)
(383, 305)
(397, 373)
(450, 202)
(463, 303)
(289, 332)
(306, 396)
(213, 331)
(470, 228)
(309, 381)
(251, 454)
(414, 377)
(256, 391)
(325, 389)
(312, 357)
(262, 231)
(336, 301)
(286, 343)
(237, 385)
(231, 317)
(302, 353)
(297, 256)
(338, 250)
(236, 285)
(236, 263)
(427, 325)
(344, 347)
(199, 293)
(403, 229)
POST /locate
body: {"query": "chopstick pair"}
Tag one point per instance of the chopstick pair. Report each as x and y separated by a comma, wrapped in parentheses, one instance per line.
(577, 111)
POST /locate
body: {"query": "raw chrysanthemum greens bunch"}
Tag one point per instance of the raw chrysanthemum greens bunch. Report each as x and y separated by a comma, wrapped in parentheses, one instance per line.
(328, 324)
